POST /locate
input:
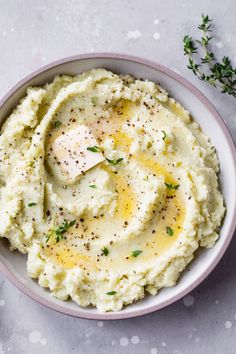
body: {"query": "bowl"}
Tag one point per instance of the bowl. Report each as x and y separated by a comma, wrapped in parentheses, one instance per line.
(13, 264)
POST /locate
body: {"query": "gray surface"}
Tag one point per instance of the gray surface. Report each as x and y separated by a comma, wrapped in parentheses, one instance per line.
(36, 32)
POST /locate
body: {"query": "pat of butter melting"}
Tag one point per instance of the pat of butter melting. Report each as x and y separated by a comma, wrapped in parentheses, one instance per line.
(70, 150)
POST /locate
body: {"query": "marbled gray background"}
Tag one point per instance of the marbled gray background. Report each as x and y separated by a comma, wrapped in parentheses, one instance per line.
(34, 32)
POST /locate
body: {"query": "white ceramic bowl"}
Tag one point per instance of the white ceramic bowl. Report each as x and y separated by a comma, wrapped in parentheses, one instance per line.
(13, 264)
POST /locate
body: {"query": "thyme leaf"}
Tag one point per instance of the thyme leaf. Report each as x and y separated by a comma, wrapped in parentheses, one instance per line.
(105, 251)
(164, 135)
(136, 253)
(172, 186)
(56, 124)
(115, 162)
(59, 232)
(169, 231)
(93, 148)
(32, 204)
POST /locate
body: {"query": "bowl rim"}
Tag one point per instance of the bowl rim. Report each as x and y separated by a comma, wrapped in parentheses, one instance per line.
(200, 96)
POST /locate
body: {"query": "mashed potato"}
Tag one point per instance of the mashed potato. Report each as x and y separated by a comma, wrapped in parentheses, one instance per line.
(109, 186)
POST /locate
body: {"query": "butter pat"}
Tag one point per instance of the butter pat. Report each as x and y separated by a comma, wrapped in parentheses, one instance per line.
(72, 154)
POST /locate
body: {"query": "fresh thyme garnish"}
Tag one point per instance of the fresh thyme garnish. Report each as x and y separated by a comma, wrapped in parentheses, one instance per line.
(49, 236)
(111, 292)
(164, 135)
(94, 100)
(60, 230)
(56, 124)
(172, 186)
(93, 148)
(145, 178)
(115, 162)
(221, 75)
(169, 231)
(93, 186)
(105, 251)
(136, 253)
(32, 204)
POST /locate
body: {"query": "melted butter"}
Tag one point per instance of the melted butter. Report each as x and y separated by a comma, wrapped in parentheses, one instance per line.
(107, 128)
(152, 245)
(126, 200)
(155, 240)
(122, 111)
(173, 217)
(122, 141)
(65, 255)
(125, 196)
(154, 167)
(173, 213)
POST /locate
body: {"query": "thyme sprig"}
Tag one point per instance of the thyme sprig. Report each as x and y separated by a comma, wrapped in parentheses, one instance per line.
(59, 232)
(136, 253)
(105, 251)
(221, 75)
(115, 162)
